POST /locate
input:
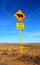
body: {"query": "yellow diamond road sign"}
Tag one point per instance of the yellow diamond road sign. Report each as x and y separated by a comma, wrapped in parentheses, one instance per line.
(19, 15)
(20, 26)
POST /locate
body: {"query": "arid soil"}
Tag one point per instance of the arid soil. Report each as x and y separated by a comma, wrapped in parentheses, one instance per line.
(10, 54)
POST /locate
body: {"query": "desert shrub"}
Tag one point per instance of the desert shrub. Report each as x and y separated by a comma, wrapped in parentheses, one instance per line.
(14, 52)
(37, 60)
(3, 63)
(22, 59)
(5, 52)
(31, 58)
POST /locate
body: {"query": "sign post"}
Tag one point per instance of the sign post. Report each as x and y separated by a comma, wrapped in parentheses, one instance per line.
(20, 26)
(21, 42)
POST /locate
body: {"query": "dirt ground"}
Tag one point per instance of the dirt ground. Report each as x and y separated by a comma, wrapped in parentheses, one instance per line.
(10, 54)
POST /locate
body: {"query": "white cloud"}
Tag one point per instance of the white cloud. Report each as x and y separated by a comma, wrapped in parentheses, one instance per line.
(32, 34)
(31, 37)
(4, 31)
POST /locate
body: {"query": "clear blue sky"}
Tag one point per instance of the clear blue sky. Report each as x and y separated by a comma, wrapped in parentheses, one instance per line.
(8, 31)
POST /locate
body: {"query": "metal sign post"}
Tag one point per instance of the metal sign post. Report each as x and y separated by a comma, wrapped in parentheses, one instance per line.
(20, 26)
(21, 42)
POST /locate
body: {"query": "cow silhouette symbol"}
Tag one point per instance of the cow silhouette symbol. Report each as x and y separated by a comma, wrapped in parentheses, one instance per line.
(20, 15)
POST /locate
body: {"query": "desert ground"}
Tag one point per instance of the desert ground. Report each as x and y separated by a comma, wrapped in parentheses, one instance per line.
(10, 54)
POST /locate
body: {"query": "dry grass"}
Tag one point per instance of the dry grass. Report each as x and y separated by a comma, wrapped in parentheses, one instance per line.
(10, 54)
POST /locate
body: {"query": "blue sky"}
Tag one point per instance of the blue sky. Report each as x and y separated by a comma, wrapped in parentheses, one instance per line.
(8, 31)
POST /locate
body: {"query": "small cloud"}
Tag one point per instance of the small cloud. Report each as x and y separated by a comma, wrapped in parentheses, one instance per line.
(12, 31)
(32, 34)
(8, 31)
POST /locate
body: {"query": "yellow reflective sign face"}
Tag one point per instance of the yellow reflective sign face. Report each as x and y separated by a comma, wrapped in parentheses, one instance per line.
(19, 15)
(19, 26)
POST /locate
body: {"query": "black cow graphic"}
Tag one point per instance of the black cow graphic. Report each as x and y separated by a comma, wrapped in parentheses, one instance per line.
(20, 15)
